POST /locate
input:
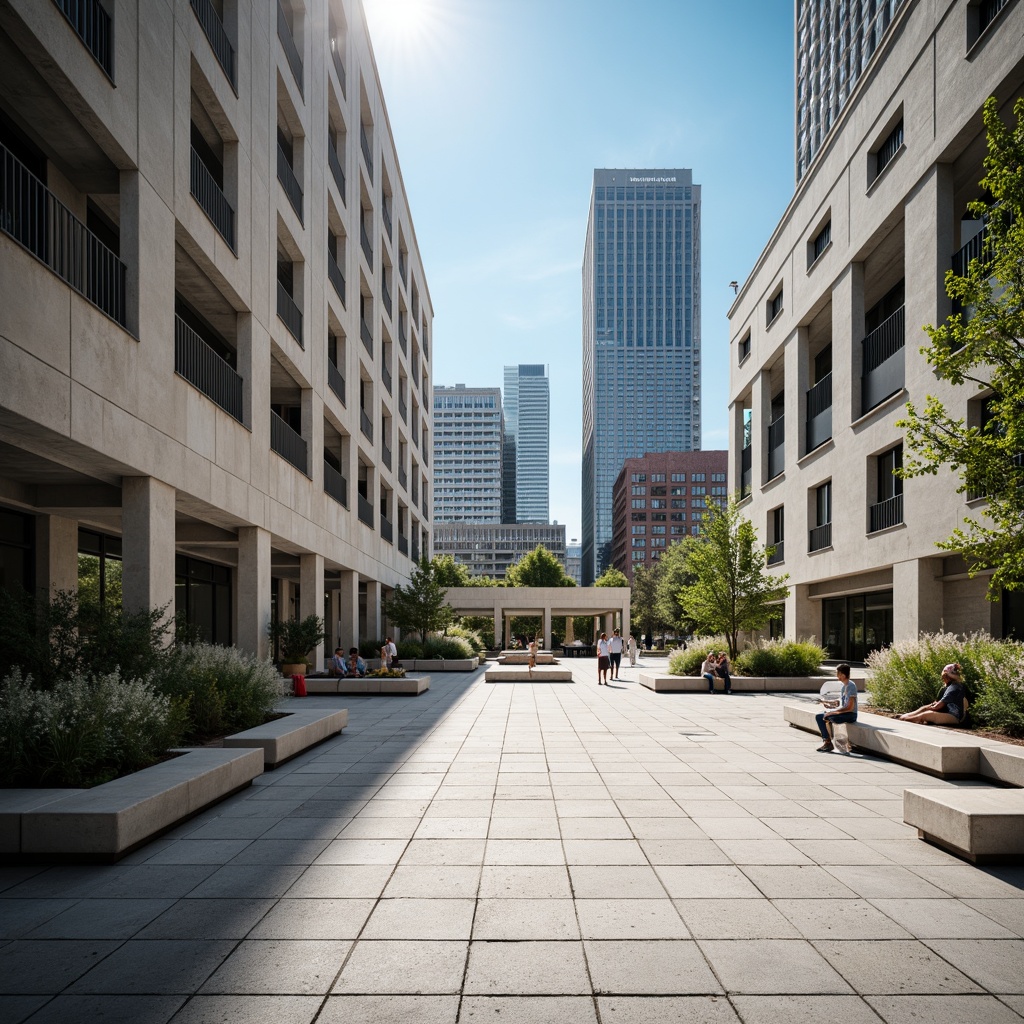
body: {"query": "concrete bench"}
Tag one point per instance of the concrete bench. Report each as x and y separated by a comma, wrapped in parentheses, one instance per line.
(980, 825)
(108, 821)
(369, 685)
(664, 683)
(541, 674)
(291, 734)
(523, 658)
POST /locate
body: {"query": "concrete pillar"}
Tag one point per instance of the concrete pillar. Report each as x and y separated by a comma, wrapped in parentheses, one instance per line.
(253, 597)
(348, 609)
(847, 336)
(373, 617)
(570, 634)
(609, 623)
(916, 598)
(761, 412)
(797, 376)
(311, 594)
(547, 628)
(624, 619)
(147, 547)
(56, 554)
(331, 626)
(508, 632)
(497, 627)
(130, 244)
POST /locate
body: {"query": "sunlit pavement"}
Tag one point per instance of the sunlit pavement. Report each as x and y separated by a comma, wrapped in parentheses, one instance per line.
(532, 853)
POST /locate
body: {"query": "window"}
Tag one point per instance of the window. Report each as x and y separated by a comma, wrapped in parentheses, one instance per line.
(744, 351)
(678, 478)
(698, 490)
(639, 556)
(639, 478)
(777, 532)
(658, 490)
(658, 517)
(981, 14)
(679, 491)
(888, 508)
(718, 478)
(821, 533)
(639, 542)
(658, 503)
(639, 503)
(638, 490)
(639, 529)
(821, 241)
(887, 150)
(774, 307)
(657, 478)
(697, 478)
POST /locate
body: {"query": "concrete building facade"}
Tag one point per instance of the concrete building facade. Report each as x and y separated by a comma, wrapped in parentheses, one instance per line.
(215, 328)
(527, 458)
(660, 498)
(641, 334)
(825, 336)
(488, 549)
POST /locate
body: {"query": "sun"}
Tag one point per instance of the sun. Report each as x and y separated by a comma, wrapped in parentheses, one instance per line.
(400, 20)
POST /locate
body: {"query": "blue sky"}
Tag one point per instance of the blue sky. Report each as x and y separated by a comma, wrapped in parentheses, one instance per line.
(501, 110)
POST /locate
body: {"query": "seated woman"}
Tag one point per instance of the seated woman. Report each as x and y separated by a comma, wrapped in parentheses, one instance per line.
(950, 708)
(707, 670)
(336, 666)
(356, 666)
(842, 710)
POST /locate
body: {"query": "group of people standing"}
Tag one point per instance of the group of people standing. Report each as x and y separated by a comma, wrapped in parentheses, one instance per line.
(609, 655)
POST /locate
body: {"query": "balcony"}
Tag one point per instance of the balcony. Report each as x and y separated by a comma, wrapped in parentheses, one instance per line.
(290, 184)
(337, 278)
(403, 267)
(386, 217)
(885, 514)
(403, 544)
(385, 376)
(779, 554)
(387, 531)
(339, 64)
(385, 293)
(335, 484)
(882, 360)
(415, 553)
(403, 337)
(415, 432)
(364, 145)
(415, 492)
(385, 454)
(423, 448)
(403, 409)
(366, 425)
(204, 369)
(337, 170)
(336, 381)
(819, 413)
(213, 28)
(207, 193)
(93, 26)
(367, 246)
(366, 336)
(423, 505)
(284, 33)
(403, 477)
(424, 388)
(746, 471)
(365, 510)
(994, 481)
(289, 313)
(820, 537)
(288, 443)
(776, 447)
(37, 220)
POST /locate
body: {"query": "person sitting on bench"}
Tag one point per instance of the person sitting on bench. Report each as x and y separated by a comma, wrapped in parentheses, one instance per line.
(950, 708)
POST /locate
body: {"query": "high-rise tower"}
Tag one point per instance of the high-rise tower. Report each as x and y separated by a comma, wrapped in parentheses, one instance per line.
(641, 334)
(527, 404)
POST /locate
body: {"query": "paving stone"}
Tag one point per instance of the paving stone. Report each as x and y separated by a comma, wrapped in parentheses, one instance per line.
(894, 968)
(526, 968)
(238, 881)
(391, 1010)
(48, 966)
(155, 967)
(735, 919)
(313, 919)
(251, 1009)
(404, 967)
(279, 967)
(591, 882)
(1007, 912)
(525, 919)
(444, 851)
(603, 851)
(529, 882)
(20, 916)
(414, 918)
(802, 880)
(102, 919)
(840, 919)
(108, 1009)
(526, 828)
(629, 919)
(666, 1010)
(529, 1009)
(946, 1009)
(804, 1009)
(15, 1009)
(941, 919)
(994, 964)
(669, 967)
(705, 881)
(356, 881)
(761, 966)
(839, 851)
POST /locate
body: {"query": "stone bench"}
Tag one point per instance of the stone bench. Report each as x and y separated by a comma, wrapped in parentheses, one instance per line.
(283, 738)
(108, 821)
(664, 683)
(369, 685)
(982, 825)
(523, 658)
(541, 674)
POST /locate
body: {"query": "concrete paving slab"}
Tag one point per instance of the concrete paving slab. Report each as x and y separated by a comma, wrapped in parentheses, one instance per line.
(526, 968)
(784, 966)
(735, 919)
(529, 1009)
(804, 1009)
(323, 919)
(630, 919)
(108, 1009)
(390, 1010)
(525, 919)
(252, 1009)
(896, 967)
(279, 967)
(994, 964)
(207, 919)
(404, 968)
(645, 967)
(155, 967)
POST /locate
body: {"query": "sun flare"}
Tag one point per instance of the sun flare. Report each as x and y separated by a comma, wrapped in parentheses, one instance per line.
(400, 20)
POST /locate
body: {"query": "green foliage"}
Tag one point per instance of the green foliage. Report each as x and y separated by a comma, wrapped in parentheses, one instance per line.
(539, 568)
(612, 577)
(781, 658)
(89, 581)
(294, 639)
(420, 606)
(999, 704)
(409, 650)
(81, 732)
(688, 662)
(448, 572)
(643, 611)
(673, 576)
(451, 648)
(471, 636)
(727, 588)
(482, 626)
(981, 347)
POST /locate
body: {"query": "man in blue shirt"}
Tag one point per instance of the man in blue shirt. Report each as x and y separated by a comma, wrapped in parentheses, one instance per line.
(838, 712)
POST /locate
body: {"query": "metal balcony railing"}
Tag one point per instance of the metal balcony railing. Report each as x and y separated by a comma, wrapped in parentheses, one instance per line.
(207, 193)
(202, 367)
(385, 376)
(37, 220)
(366, 425)
(288, 443)
(289, 182)
(994, 480)
(415, 431)
(284, 33)
(335, 484)
(92, 24)
(339, 64)
(403, 267)
(779, 554)
(364, 145)
(337, 171)
(819, 413)
(889, 148)
(385, 454)
(987, 11)
(776, 447)
(367, 245)
(217, 36)
(337, 278)
(820, 537)
(884, 341)
(386, 298)
(423, 505)
(746, 471)
(336, 381)
(882, 361)
(415, 492)
(365, 511)
(885, 514)
(403, 544)
(387, 531)
(424, 388)
(366, 336)
(289, 312)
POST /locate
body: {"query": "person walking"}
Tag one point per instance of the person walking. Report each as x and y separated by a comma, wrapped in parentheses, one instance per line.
(631, 650)
(531, 661)
(602, 659)
(707, 670)
(615, 653)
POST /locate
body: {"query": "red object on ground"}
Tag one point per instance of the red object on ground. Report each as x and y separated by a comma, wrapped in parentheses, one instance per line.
(299, 685)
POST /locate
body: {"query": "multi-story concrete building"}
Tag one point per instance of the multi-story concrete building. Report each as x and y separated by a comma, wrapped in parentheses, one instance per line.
(527, 459)
(826, 331)
(488, 549)
(574, 561)
(659, 499)
(641, 334)
(216, 328)
(468, 439)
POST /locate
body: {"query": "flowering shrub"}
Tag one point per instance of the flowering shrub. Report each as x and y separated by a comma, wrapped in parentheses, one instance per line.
(688, 662)
(471, 636)
(450, 648)
(781, 658)
(387, 673)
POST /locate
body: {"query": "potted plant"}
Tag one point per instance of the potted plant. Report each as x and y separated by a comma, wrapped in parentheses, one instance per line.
(294, 639)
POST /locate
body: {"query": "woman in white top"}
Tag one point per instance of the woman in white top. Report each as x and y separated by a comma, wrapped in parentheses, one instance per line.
(707, 670)
(631, 650)
(603, 659)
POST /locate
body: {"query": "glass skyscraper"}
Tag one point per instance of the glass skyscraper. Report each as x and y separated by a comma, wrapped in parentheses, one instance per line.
(641, 334)
(527, 406)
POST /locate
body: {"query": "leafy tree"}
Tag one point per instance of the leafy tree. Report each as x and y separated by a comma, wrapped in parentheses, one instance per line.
(730, 589)
(981, 345)
(672, 575)
(612, 577)
(421, 605)
(448, 572)
(539, 568)
(643, 611)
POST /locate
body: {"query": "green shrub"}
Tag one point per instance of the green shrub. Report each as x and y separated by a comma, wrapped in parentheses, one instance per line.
(471, 636)
(370, 648)
(451, 648)
(999, 704)
(688, 662)
(409, 650)
(781, 658)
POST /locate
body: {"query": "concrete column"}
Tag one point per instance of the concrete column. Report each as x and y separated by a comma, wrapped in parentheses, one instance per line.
(147, 525)
(56, 554)
(331, 626)
(916, 598)
(253, 597)
(508, 632)
(624, 619)
(373, 617)
(348, 609)
(311, 594)
(847, 336)
(130, 244)
(498, 617)
(609, 623)
(547, 628)
(761, 411)
(797, 373)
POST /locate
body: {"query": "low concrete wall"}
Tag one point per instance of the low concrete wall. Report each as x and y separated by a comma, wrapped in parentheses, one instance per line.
(410, 685)
(663, 683)
(285, 737)
(517, 674)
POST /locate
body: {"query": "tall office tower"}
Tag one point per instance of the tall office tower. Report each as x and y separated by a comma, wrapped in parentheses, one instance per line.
(206, 381)
(834, 44)
(468, 438)
(527, 404)
(641, 334)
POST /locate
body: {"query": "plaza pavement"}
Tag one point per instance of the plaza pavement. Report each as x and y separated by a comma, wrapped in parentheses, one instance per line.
(516, 853)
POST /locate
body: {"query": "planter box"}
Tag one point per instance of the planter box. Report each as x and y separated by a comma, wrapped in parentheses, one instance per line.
(981, 825)
(662, 683)
(517, 674)
(439, 665)
(285, 737)
(411, 685)
(109, 821)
